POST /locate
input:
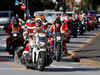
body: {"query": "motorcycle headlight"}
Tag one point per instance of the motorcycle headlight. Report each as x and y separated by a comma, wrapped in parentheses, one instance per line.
(32, 43)
(78, 30)
(42, 44)
(58, 38)
(14, 35)
(99, 19)
(42, 35)
(23, 27)
(84, 28)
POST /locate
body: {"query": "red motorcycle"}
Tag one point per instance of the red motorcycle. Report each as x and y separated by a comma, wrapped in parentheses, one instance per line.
(90, 23)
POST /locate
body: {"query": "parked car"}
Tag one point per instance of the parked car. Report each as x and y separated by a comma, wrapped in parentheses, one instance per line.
(4, 19)
(50, 15)
(98, 18)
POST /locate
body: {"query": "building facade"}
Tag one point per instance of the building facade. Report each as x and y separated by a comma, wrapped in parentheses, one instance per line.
(83, 4)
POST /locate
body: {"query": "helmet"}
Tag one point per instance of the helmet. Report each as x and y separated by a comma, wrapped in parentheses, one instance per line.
(38, 22)
(38, 19)
(58, 14)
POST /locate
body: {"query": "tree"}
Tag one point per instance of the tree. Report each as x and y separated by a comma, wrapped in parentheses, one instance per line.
(4, 4)
(35, 5)
(87, 4)
(48, 4)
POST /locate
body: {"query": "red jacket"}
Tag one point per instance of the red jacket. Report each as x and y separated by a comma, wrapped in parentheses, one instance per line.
(52, 28)
(64, 28)
(30, 27)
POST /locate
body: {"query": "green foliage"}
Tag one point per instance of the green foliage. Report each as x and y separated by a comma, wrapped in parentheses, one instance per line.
(48, 4)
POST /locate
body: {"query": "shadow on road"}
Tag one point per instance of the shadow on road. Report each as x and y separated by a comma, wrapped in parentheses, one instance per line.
(72, 47)
(89, 35)
(85, 37)
(70, 69)
(2, 49)
(80, 42)
(89, 50)
(4, 59)
(89, 56)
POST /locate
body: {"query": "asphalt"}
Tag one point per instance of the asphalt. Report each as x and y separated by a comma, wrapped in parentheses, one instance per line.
(8, 67)
(92, 50)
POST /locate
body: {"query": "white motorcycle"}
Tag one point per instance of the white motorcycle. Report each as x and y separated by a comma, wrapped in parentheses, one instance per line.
(38, 56)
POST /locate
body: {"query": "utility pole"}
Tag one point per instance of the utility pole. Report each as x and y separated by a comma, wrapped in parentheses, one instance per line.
(27, 8)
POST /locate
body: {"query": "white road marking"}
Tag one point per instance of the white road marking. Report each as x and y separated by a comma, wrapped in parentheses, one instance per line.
(69, 67)
(11, 69)
(73, 67)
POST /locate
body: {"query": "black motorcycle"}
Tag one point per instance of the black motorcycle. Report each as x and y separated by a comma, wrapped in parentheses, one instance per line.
(76, 28)
(15, 40)
(83, 27)
(57, 46)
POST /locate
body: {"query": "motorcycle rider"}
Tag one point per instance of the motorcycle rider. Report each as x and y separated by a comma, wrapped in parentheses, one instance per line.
(31, 34)
(76, 17)
(43, 18)
(10, 27)
(29, 27)
(53, 29)
(44, 22)
(83, 18)
(30, 23)
(14, 29)
(69, 21)
(59, 18)
(65, 31)
(30, 41)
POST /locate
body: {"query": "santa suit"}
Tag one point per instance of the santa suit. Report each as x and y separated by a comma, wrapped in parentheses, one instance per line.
(51, 40)
(28, 44)
(10, 28)
(64, 29)
(52, 28)
(44, 27)
(30, 27)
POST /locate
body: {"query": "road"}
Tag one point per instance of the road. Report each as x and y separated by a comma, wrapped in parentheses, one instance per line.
(8, 67)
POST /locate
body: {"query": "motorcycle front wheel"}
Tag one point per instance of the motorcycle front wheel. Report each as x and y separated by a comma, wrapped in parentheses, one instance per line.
(41, 61)
(58, 54)
(18, 54)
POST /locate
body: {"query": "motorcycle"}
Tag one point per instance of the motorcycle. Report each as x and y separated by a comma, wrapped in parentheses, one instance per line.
(38, 56)
(90, 24)
(83, 27)
(75, 29)
(57, 46)
(15, 40)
